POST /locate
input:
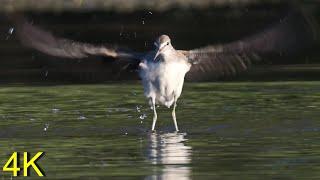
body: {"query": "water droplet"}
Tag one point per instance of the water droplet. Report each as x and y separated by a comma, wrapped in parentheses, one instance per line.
(138, 108)
(82, 117)
(55, 110)
(103, 163)
(150, 12)
(121, 31)
(195, 62)
(125, 133)
(142, 116)
(46, 127)
(10, 31)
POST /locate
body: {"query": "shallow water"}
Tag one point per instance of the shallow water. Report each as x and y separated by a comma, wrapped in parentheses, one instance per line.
(242, 130)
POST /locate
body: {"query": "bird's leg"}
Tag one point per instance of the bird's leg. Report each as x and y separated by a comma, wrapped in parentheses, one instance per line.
(154, 114)
(174, 115)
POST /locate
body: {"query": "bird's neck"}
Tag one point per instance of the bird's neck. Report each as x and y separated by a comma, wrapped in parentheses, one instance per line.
(168, 50)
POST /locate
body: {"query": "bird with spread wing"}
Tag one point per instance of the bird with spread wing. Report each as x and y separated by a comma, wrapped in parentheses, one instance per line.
(164, 69)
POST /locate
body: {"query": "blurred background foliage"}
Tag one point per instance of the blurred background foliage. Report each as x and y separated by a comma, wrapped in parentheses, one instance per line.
(135, 24)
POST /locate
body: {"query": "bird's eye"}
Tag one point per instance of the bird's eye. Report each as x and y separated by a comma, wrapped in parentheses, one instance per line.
(167, 43)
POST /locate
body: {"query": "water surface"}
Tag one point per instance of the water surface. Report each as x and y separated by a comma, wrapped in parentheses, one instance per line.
(241, 130)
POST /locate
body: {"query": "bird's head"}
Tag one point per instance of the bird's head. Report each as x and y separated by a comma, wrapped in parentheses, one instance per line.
(162, 44)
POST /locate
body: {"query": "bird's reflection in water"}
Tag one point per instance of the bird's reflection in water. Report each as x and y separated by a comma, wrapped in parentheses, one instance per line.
(170, 152)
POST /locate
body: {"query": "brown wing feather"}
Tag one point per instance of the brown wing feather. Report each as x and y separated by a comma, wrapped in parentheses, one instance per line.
(292, 33)
(41, 40)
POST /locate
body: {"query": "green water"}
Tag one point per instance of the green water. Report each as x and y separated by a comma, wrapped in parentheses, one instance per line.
(237, 130)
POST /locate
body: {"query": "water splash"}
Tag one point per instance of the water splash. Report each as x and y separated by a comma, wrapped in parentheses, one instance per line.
(11, 30)
(46, 127)
(142, 116)
(82, 117)
(55, 110)
(119, 109)
(138, 108)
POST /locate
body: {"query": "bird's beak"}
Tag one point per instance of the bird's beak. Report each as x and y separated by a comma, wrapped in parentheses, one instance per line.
(159, 50)
(157, 54)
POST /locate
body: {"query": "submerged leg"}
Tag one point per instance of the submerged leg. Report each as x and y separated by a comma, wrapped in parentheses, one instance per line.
(174, 115)
(154, 114)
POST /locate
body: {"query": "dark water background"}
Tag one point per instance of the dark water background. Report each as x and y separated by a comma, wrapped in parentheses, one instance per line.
(188, 27)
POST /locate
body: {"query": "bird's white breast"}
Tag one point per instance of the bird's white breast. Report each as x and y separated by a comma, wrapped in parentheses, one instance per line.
(163, 80)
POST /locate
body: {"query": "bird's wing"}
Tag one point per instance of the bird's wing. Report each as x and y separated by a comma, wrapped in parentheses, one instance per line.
(292, 33)
(34, 37)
